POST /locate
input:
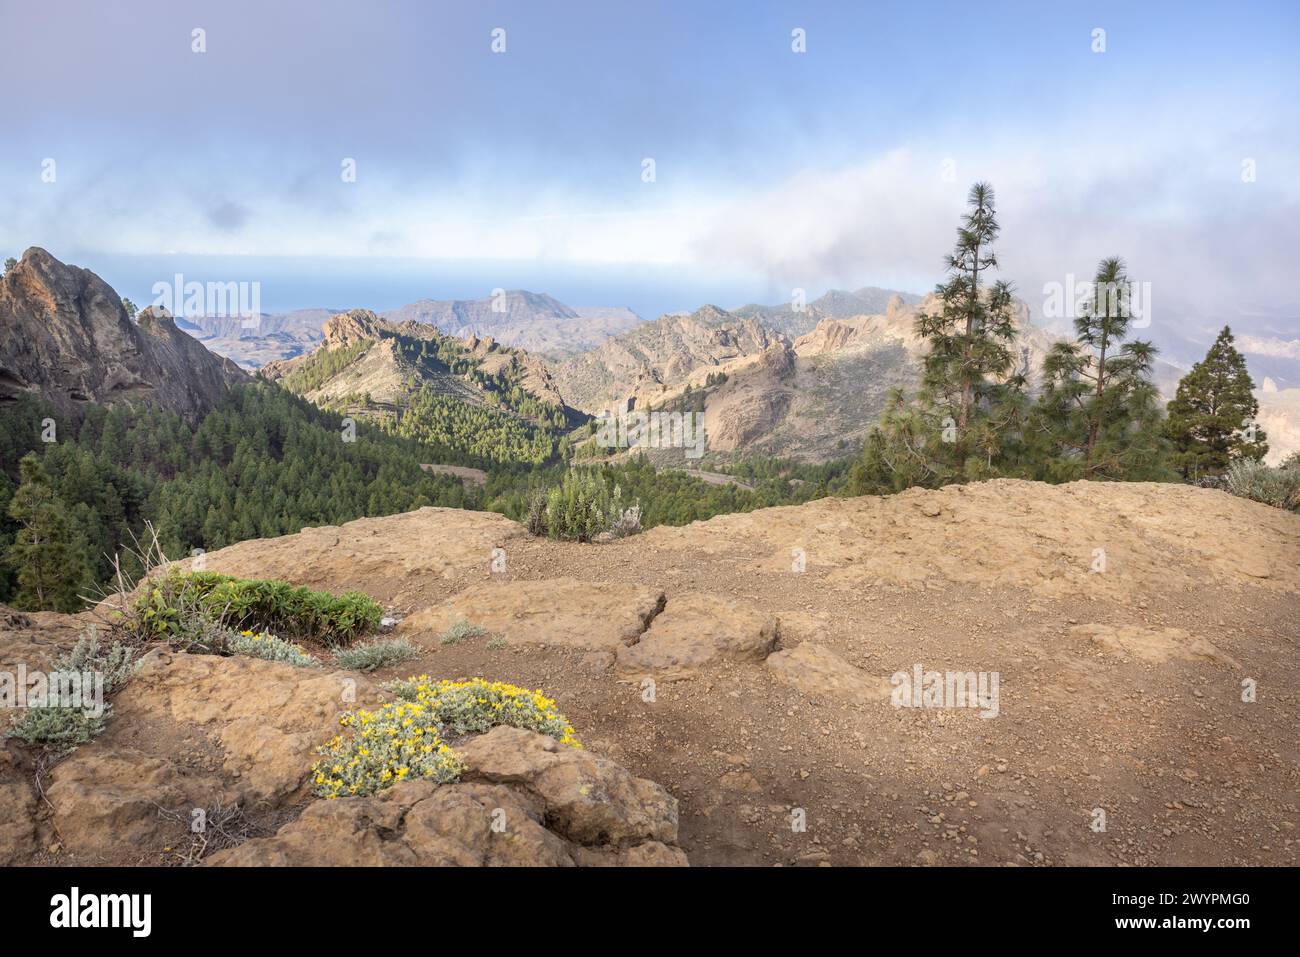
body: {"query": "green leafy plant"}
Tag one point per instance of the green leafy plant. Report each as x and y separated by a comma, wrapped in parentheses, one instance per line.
(168, 606)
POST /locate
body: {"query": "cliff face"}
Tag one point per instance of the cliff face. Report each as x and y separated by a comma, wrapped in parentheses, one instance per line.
(65, 337)
(655, 357)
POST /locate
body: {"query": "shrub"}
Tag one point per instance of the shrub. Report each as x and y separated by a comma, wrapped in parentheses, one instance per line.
(535, 515)
(459, 631)
(268, 647)
(581, 508)
(628, 523)
(1252, 479)
(173, 608)
(117, 662)
(61, 730)
(57, 731)
(376, 654)
(477, 705)
(398, 742)
(177, 605)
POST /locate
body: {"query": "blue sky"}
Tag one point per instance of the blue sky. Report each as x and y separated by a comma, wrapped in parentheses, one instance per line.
(773, 169)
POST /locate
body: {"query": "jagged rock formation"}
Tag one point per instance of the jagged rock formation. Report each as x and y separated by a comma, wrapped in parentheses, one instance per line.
(814, 397)
(390, 374)
(65, 337)
(656, 356)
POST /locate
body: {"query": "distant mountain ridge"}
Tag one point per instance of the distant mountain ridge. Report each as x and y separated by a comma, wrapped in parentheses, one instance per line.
(274, 337)
(534, 321)
(516, 317)
(834, 304)
(66, 337)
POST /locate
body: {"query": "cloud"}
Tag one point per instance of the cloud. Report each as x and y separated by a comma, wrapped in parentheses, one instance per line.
(1175, 207)
(229, 216)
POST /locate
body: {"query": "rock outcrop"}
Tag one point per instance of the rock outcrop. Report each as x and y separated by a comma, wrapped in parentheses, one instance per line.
(65, 336)
(657, 357)
(525, 801)
(234, 739)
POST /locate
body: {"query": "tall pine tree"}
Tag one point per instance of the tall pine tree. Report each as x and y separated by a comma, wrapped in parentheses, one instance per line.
(971, 404)
(1212, 417)
(971, 337)
(49, 558)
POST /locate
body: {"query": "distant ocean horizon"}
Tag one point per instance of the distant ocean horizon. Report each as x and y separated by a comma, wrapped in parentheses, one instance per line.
(289, 283)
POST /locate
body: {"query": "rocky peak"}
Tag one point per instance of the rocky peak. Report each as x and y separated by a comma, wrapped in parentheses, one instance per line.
(65, 336)
(350, 327)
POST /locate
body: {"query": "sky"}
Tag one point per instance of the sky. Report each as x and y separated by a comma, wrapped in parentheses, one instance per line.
(843, 165)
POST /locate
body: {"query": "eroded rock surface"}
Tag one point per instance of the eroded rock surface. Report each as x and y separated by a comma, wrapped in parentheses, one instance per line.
(817, 671)
(555, 611)
(65, 336)
(525, 800)
(695, 629)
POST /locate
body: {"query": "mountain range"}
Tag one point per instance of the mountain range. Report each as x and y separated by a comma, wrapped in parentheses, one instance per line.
(804, 382)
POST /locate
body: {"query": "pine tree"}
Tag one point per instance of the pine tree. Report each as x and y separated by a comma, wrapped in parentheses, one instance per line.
(50, 561)
(1098, 415)
(895, 455)
(968, 367)
(966, 421)
(1212, 418)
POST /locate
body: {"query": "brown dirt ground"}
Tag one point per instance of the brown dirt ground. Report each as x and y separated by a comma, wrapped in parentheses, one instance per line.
(1187, 773)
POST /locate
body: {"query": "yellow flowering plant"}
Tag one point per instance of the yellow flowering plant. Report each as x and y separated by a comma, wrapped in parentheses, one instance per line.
(399, 741)
(403, 740)
(477, 705)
